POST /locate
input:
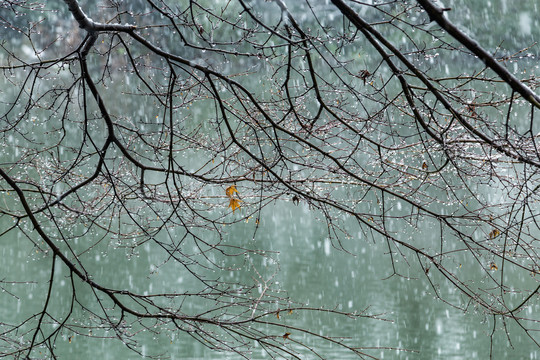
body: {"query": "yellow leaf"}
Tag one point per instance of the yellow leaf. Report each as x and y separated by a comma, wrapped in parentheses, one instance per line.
(424, 166)
(494, 233)
(234, 204)
(277, 315)
(286, 335)
(231, 190)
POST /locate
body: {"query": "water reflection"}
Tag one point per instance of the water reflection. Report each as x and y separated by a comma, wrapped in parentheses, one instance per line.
(419, 324)
(311, 270)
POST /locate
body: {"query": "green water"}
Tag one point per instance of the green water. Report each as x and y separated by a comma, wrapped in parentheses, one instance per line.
(408, 320)
(311, 270)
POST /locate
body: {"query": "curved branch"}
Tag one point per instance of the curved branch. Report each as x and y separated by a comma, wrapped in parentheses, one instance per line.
(436, 14)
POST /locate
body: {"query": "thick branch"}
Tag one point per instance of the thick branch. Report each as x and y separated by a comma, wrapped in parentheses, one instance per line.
(90, 25)
(437, 14)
